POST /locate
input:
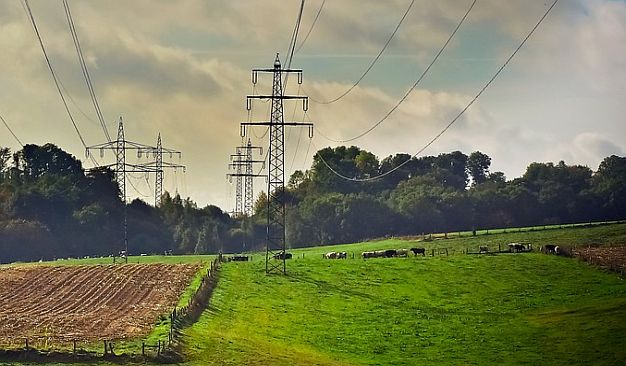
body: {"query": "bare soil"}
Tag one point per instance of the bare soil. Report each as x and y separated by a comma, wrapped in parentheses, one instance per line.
(612, 257)
(88, 303)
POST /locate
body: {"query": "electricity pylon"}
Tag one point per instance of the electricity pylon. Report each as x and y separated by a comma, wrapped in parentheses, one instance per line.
(275, 253)
(243, 163)
(158, 164)
(121, 167)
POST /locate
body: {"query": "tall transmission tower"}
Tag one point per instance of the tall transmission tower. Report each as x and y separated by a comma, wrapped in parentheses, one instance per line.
(121, 167)
(159, 164)
(243, 163)
(275, 254)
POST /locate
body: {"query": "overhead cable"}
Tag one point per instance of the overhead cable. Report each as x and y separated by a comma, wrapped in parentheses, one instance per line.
(406, 95)
(11, 131)
(84, 69)
(373, 61)
(54, 77)
(312, 26)
(456, 118)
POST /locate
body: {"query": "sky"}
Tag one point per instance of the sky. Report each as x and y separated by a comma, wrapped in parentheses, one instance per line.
(182, 69)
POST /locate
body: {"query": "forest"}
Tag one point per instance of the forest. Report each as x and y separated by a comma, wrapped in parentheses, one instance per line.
(50, 207)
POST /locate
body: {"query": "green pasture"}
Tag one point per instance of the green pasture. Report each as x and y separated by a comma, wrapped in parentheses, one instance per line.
(497, 309)
(513, 309)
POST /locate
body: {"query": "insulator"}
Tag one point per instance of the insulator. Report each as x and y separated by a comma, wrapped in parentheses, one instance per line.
(139, 154)
(101, 153)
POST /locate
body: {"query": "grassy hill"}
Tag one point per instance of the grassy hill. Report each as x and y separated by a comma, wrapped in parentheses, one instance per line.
(511, 309)
(460, 309)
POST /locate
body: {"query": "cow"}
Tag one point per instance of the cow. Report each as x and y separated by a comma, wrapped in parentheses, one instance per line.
(549, 249)
(417, 251)
(379, 254)
(557, 250)
(390, 253)
(367, 255)
(342, 255)
(402, 252)
(483, 249)
(331, 255)
(516, 247)
(282, 255)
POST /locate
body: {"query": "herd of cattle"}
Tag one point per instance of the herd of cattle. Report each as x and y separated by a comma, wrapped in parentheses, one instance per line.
(391, 253)
(388, 253)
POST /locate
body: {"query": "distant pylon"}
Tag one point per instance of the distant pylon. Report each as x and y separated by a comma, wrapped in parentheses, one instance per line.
(120, 146)
(243, 163)
(275, 254)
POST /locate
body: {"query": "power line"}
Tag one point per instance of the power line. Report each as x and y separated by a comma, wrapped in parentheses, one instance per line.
(84, 69)
(11, 131)
(294, 37)
(312, 26)
(480, 92)
(373, 61)
(54, 77)
(406, 95)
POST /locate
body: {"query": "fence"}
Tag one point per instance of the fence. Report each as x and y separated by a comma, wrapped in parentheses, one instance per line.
(63, 348)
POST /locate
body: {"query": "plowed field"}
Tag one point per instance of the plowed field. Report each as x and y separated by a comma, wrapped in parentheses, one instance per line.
(88, 303)
(612, 257)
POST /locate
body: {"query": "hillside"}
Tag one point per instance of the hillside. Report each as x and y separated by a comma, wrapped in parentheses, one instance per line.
(526, 308)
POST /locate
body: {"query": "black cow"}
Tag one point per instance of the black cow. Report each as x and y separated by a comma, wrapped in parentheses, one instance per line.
(549, 249)
(389, 253)
(417, 251)
(282, 255)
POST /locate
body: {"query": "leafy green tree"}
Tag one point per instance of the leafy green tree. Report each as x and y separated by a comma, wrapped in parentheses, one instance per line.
(478, 167)
(609, 184)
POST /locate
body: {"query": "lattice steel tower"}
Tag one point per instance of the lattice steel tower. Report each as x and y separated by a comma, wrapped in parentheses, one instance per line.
(243, 163)
(120, 146)
(275, 237)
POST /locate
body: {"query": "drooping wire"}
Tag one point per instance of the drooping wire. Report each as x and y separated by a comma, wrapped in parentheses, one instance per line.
(84, 69)
(312, 26)
(406, 95)
(11, 131)
(374, 61)
(294, 36)
(54, 77)
(455, 119)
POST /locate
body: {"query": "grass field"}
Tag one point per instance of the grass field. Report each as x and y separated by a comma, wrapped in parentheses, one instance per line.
(462, 309)
(511, 309)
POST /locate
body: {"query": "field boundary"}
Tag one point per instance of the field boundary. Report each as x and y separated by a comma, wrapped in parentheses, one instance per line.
(42, 349)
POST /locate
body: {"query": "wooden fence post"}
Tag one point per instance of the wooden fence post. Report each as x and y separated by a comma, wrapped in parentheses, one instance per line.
(432, 254)
(159, 348)
(143, 348)
(27, 344)
(74, 345)
(105, 347)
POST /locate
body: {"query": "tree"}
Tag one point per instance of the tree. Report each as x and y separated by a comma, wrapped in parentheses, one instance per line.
(478, 167)
(609, 184)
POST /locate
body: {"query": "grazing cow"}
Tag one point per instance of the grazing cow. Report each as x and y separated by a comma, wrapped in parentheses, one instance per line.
(402, 252)
(417, 251)
(557, 250)
(282, 255)
(483, 249)
(390, 253)
(379, 254)
(367, 255)
(331, 255)
(342, 255)
(549, 249)
(516, 247)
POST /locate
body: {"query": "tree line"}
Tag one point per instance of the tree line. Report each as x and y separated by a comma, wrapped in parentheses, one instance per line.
(50, 207)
